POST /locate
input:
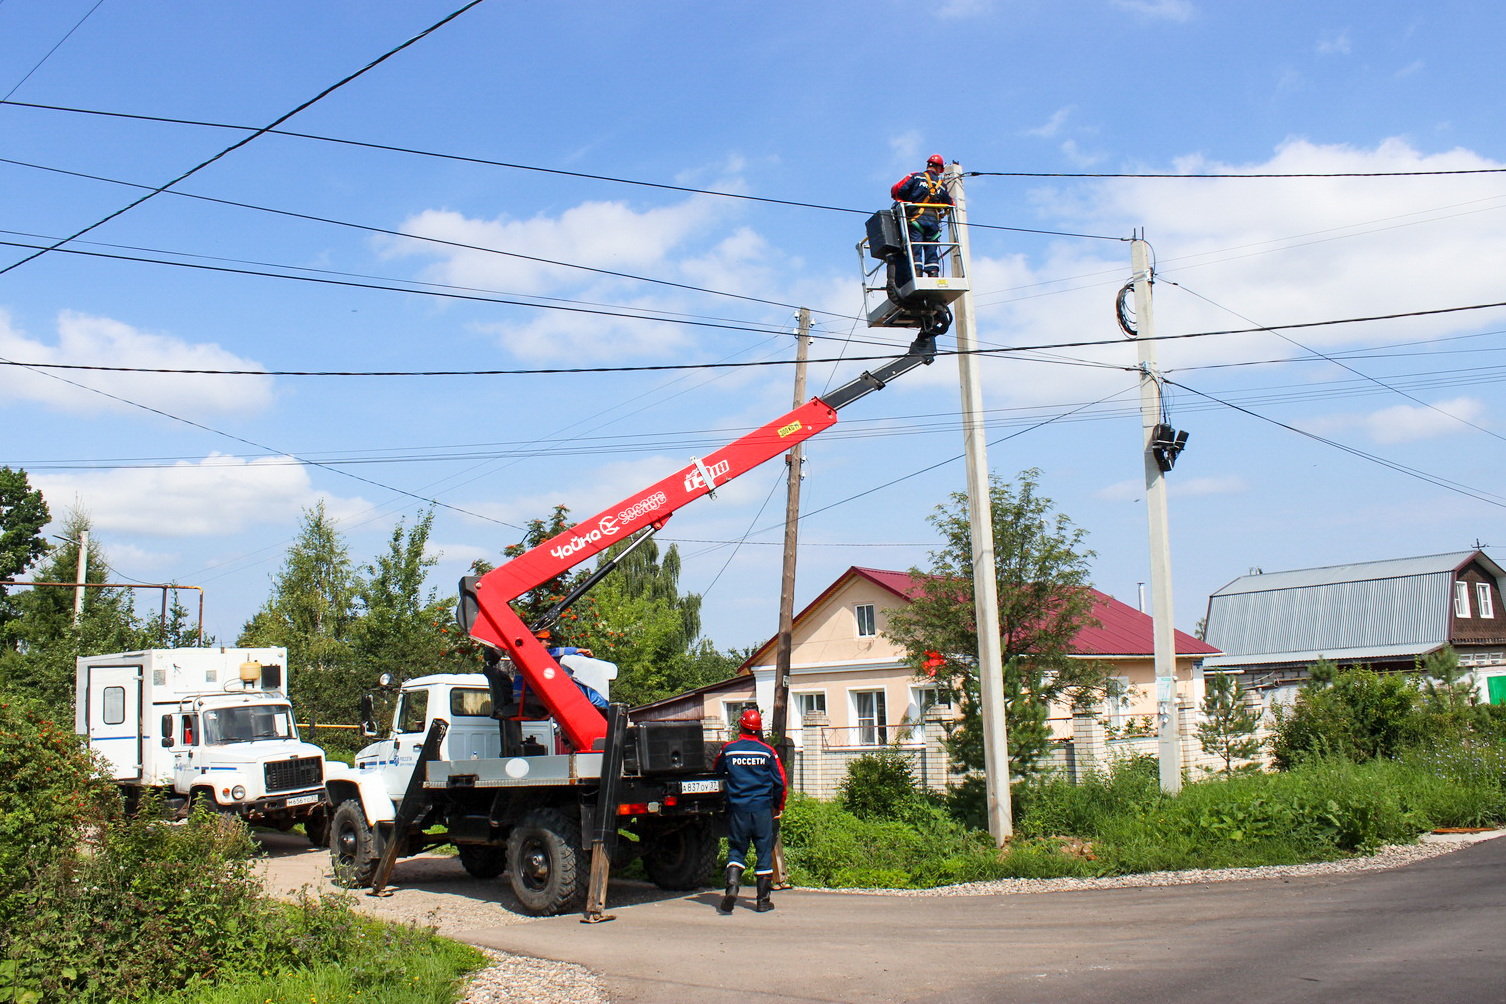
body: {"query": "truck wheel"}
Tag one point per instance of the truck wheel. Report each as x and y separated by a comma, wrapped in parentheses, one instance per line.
(316, 827)
(483, 861)
(354, 847)
(545, 864)
(680, 859)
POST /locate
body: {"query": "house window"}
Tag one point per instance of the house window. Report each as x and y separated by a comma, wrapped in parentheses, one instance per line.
(871, 716)
(809, 704)
(1461, 599)
(867, 625)
(1118, 707)
(1482, 599)
(923, 698)
(733, 710)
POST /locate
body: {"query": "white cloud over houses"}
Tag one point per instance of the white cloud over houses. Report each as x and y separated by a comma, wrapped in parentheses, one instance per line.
(84, 339)
(215, 496)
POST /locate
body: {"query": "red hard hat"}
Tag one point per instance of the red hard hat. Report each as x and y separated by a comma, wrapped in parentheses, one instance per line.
(936, 161)
(751, 720)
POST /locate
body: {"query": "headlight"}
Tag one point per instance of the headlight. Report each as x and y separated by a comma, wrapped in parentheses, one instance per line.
(238, 792)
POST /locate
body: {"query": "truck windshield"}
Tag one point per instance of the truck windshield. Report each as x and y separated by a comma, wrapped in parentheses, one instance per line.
(248, 723)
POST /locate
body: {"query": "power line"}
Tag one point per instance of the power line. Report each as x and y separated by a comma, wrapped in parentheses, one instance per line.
(655, 367)
(1269, 174)
(401, 234)
(1454, 486)
(529, 167)
(260, 446)
(247, 139)
(77, 24)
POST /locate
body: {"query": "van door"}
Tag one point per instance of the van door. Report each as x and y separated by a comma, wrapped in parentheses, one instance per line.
(114, 718)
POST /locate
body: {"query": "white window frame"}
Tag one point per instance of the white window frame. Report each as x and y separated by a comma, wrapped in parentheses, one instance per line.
(1118, 707)
(730, 716)
(801, 697)
(858, 612)
(876, 732)
(1461, 599)
(1482, 600)
(918, 694)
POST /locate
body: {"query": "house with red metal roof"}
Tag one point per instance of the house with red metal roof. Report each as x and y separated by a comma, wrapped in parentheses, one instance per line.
(848, 676)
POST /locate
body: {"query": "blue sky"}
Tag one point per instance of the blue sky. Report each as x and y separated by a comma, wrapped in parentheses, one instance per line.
(825, 104)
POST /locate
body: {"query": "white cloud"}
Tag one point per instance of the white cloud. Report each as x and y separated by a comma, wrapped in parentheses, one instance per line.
(964, 8)
(100, 341)
(1121, 491)
(1405, 423)
(1228, 484)
(1275, 251)
(218, 495)
(1413, 67)
(1335, 44)
(1169, 10)
(602, 235)
(1053, 125)
(586, 339)
(906, 146)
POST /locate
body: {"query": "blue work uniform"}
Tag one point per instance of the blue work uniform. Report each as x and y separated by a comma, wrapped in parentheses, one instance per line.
(755, 794)
(591, 694)
(924, 223)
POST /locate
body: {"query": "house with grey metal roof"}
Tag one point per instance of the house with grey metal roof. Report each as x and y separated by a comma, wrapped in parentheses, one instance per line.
(1271, 626)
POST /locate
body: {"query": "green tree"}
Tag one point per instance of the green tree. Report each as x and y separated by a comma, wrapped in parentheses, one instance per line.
(311, 612)
(1353, 713)
(1229, 724)
(402, 628)
(643, 623)
(47, 641)
(1044, 601)
(23, 513)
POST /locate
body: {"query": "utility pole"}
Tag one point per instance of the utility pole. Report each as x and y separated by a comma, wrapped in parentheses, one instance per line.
(794, 458)
(980, 521)
(83, 569)
(1169, 738)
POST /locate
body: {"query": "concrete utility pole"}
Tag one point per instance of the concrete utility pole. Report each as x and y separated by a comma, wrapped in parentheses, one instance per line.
(980, 521)
(1169, 745)
(794, 458)
(83, 569)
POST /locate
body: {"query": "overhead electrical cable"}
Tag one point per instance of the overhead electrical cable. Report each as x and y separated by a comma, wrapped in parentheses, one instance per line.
(655, 367)
(407, 236)
(247, 139)
(1344, 365)
(261, 446)
(76, 25)
(1478, 494)
(1234, 175)
(531, 167)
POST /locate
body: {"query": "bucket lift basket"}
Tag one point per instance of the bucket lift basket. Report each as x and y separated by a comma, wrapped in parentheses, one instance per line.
(894, 295)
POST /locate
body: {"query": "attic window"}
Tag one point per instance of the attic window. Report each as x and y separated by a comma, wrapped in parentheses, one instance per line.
(1482, 600)
(867, 625)
(1461, 599)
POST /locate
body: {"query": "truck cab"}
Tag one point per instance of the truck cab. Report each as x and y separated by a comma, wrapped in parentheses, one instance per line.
(211, 726)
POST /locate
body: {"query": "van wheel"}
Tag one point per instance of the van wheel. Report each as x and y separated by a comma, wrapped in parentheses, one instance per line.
(681, 858)
(483, 861)
(354, 847)
(545, 864)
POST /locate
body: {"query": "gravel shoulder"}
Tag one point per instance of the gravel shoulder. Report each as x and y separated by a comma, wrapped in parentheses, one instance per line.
(433, 890)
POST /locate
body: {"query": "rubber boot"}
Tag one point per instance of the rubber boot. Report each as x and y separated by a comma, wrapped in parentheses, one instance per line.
(734, 883)
(765, 890)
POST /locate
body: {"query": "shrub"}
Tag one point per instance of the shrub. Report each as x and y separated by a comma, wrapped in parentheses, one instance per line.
(1359, 716)
(880, 785)
(1054, 806)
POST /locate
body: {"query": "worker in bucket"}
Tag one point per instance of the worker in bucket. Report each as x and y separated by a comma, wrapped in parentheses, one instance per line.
(925, 191)
(755, 798)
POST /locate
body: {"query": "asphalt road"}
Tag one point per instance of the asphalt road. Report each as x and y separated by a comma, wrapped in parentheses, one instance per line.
(1433, 931)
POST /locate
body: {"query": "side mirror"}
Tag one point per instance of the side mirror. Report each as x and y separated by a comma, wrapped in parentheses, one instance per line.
(167, 742)
(368, 714)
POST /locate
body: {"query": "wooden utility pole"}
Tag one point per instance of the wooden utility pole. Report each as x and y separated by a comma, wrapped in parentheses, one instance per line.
(794, 459)
(980, 520)
(1169, 733)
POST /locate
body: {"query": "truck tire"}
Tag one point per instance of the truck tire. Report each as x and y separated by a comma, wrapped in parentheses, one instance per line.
(545, 864)
(483, 861)
(680, 858)
(354, 847)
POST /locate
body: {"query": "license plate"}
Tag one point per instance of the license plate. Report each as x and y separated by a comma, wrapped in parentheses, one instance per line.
(302, 800)
(699, 787)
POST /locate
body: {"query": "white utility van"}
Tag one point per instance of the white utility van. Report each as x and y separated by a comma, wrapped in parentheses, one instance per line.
(207, 725)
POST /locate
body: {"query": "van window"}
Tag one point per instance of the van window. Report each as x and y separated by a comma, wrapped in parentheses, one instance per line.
(415, 711)
(114, 709)
(468, 702)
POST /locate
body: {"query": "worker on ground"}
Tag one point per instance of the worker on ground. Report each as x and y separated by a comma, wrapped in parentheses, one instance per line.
(755, 798)
(925, 192)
